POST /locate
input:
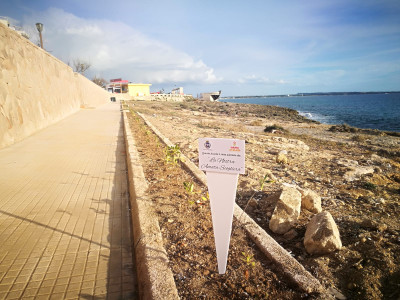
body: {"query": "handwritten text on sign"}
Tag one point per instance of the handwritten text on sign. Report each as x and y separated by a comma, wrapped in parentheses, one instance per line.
(221, 155)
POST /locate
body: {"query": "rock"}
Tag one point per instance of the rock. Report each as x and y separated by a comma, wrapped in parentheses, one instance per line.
(373, 225)
(310, 200)
(382, 227)
(322, 235)
(253, 202)
(287, 210)
(281, 158)
(378, 159)
(356, 172)
(283, 152)
(347, 162)
(336, 293)
(291, 234)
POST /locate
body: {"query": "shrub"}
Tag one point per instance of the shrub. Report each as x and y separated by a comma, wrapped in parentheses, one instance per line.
(343, 128)
(274, 127)
(369, 186)
(359, 138)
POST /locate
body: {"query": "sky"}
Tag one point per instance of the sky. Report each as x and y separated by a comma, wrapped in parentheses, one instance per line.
(240, 47)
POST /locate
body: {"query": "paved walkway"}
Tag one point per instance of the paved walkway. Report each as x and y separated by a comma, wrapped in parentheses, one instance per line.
(64, 217)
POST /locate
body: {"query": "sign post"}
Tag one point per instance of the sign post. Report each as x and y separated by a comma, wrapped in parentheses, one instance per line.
(223, 160)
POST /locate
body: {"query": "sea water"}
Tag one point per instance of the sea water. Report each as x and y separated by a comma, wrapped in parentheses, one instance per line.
(373, 111)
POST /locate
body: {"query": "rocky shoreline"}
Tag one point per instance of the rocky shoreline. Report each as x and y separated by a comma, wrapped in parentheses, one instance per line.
(354, 172)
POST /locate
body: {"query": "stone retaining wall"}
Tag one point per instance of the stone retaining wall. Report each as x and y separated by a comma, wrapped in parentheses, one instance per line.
(37, 89)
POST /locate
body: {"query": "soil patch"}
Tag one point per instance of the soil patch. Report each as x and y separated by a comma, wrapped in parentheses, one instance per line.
(186, 226)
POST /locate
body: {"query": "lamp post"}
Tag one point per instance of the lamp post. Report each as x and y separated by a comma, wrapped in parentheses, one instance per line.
(39, 27)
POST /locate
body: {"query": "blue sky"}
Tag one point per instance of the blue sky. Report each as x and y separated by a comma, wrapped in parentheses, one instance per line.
(239, 47)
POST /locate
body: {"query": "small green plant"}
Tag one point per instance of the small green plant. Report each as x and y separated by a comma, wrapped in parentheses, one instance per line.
(265, 180)
(248, 259)
(172, 154)
(206, 197)
(369, 186)
(189, 187)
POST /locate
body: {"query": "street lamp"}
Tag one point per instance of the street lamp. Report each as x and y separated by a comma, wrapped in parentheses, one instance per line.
(39, 27)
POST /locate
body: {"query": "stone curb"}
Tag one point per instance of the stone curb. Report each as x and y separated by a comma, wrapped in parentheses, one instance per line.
(285, 263)
(155, 278)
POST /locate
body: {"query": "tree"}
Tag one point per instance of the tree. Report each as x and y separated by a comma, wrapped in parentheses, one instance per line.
(80, 66)
(100, 81)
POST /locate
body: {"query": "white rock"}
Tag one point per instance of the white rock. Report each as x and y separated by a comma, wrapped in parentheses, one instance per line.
(281, 159)
(283, 152)
(310, 200)
(287, 210)
(356, 172)
(347, 162)
(322, 235)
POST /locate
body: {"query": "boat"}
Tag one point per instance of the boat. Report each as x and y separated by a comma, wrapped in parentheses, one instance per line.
(213, 96)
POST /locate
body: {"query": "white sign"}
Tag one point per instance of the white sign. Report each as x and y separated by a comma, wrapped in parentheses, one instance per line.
(223, 160)
(221, 155)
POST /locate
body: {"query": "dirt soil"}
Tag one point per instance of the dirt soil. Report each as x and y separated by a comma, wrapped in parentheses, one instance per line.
(327, 159)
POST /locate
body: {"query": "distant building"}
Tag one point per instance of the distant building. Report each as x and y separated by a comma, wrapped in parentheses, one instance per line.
(124, 86)
(118, 86)
(178, 91)
(139, 89)
(213, 96)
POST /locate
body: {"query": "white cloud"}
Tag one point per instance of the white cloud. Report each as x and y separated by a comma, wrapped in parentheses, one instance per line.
(115, 49)
(259, 80)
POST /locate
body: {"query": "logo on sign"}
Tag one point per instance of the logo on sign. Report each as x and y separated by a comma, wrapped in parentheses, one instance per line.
(207, 144)
(234, 147)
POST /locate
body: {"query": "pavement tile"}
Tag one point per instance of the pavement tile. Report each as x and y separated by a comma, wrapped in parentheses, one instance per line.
(45, 290)
(4, 288)
(7, 280)
(76, 279)
(33, 284)
(42, 297)
(87, 293)
(74, 286)
(29, 293)
(56, 296)
(60, 289)
(72, 294)
(14, 295)
(48, 282)
(88, 285)
(22, 279)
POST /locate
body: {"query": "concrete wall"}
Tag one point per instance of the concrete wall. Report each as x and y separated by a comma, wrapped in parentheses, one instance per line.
(37, 89)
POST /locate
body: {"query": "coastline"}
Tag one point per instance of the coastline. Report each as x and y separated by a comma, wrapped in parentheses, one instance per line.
(368, 110)
(327, 160)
